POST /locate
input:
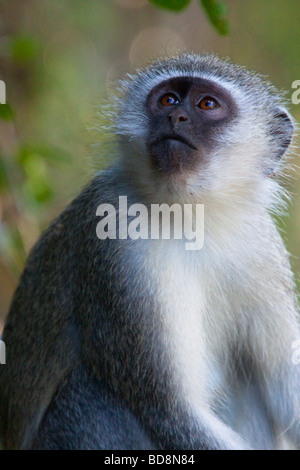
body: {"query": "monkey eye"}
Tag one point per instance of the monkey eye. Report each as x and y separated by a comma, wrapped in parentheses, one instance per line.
(169, 99)
(208, 103)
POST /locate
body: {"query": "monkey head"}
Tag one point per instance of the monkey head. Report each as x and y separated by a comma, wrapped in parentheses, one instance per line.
(199, 124)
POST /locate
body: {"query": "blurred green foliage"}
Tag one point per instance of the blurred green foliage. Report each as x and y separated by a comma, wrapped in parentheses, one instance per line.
(6, 112)
(23, 49)
(173, 5)
(215, 10)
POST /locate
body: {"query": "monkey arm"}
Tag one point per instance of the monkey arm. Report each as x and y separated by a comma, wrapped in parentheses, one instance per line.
(40, 337)
(136, 366)
(275, 356)
(282, 395)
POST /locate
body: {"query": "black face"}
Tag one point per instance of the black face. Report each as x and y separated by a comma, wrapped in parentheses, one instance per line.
(186, 116)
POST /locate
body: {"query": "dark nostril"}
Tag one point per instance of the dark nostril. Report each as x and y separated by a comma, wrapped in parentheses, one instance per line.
(178, 117)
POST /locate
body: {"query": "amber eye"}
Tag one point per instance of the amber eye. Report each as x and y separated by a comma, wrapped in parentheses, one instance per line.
(169, 99)
(208, 103)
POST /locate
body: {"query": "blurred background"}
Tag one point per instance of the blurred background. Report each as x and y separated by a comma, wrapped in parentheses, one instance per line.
(60, 59)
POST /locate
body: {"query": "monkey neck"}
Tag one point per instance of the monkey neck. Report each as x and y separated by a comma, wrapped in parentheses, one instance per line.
(231, 204)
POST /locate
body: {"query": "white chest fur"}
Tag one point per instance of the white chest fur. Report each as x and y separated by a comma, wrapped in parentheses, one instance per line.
(202, 297)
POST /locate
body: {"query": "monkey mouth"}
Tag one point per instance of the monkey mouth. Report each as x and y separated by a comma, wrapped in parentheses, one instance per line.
(176, 137)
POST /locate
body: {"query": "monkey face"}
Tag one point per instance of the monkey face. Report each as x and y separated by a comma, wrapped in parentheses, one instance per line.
(186, 116)
(199, 127)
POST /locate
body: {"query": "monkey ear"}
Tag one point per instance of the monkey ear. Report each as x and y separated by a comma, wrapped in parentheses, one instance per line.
(282, 130)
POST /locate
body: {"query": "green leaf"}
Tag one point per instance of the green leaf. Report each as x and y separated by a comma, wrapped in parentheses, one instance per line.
(12, 248)
(50, 154)
(37, 182)
(35, 161)
(23, 49)
(38, 189)
(173, 5)
(6, 112)
(17, 242)
(216, 12)
(3, 177)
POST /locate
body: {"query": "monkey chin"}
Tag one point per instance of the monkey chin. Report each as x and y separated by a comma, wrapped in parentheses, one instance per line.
(172, 156)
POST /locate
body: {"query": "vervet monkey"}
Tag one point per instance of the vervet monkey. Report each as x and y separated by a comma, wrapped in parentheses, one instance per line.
(142, 344)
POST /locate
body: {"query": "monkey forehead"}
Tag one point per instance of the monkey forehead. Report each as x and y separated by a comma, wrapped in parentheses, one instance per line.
(240, 82)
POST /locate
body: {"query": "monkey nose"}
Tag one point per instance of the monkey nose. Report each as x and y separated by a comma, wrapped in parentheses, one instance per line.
(177, 116)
